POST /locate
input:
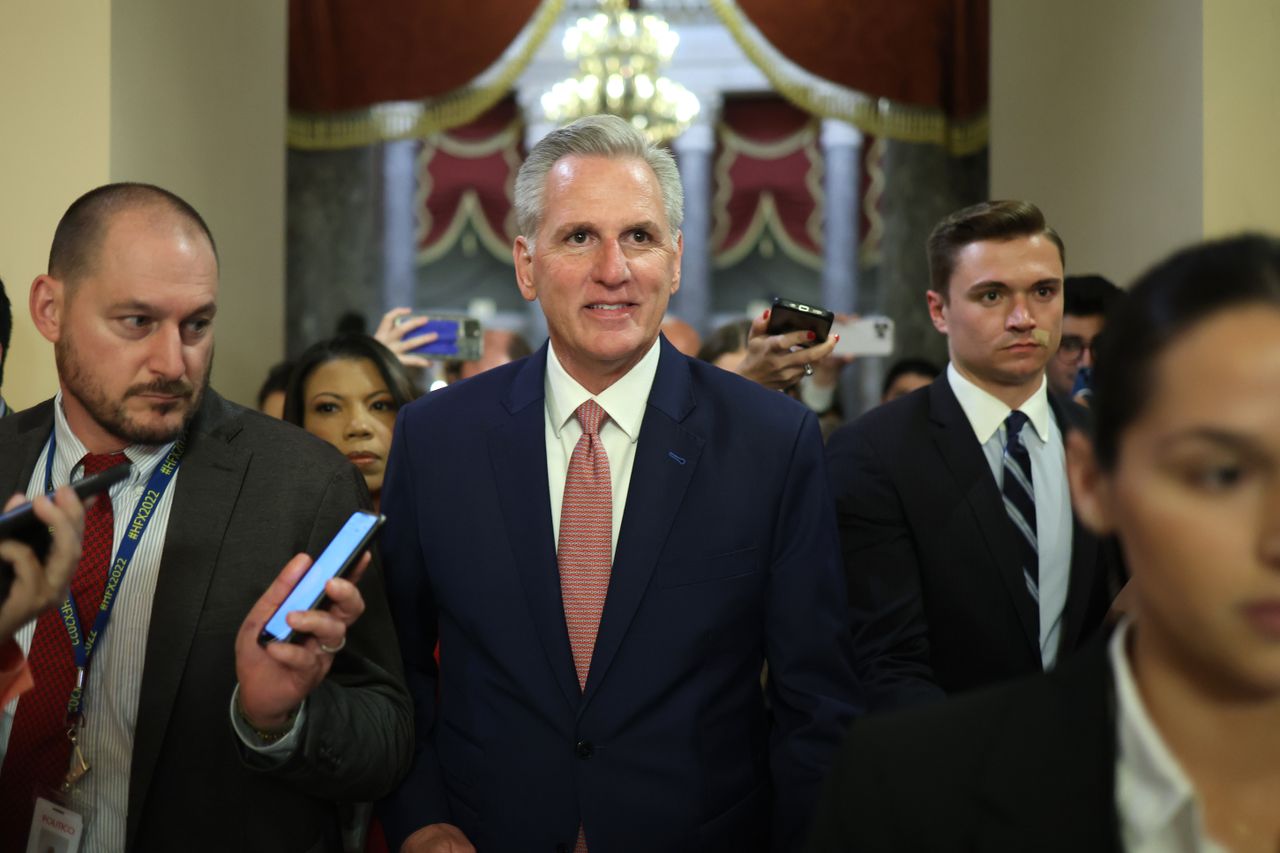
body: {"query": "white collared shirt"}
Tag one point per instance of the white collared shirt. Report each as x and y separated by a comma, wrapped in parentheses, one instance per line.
(986, 414)
(625, 401)
(115, 677)
(113, 689)
(1158, 808)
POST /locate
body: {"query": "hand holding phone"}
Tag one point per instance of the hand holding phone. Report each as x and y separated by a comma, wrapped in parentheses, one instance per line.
(779, 345)
(402, 333)
(457, 338)
(33, 585)
(22, 524)
(274, 677)
(871, 335)
(336, 560)
(787, 316)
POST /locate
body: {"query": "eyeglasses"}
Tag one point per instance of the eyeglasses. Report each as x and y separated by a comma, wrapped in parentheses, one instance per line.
(1073, 346)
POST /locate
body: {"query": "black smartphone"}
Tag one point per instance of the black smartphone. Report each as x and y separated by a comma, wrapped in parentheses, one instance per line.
(787, 316)
(21, 523)
(337, 559)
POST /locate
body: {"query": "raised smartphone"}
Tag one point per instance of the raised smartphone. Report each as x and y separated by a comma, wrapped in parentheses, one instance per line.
(864, 336)
(337, 559)
(787, 316)
(458, 338)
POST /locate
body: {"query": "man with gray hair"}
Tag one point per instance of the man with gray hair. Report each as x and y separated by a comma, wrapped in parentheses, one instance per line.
(608, 540)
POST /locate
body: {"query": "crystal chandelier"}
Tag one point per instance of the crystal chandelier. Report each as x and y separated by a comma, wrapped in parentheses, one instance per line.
(618, 54)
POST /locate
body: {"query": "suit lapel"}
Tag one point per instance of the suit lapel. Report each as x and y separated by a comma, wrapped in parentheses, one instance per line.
(20, 451)
(208, 484)
(518, 451)
(954, 437)
(666, 456)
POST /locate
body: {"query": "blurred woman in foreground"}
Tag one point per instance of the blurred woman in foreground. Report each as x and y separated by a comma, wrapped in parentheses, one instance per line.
(1166, 736)
(347, 391)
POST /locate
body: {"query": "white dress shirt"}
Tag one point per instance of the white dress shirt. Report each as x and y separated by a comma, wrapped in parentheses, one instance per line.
(624, 401)
(115, 674)
(113, 687)
(1158, 808)
(1043, 441)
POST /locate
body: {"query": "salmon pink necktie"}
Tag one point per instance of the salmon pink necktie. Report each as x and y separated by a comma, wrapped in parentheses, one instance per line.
(586, 545)
(586, 538)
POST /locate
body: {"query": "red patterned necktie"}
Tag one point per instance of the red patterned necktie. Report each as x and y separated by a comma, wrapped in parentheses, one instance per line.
(586, 545)
(586, 538)
(38, 749)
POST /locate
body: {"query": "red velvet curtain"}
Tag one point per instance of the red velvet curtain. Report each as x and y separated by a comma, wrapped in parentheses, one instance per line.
(767, 149)
(471, 171)
(925, 53)
(352, 54)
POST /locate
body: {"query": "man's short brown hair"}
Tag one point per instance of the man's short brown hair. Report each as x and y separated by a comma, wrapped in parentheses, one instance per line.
(990, 220)
(80, 232)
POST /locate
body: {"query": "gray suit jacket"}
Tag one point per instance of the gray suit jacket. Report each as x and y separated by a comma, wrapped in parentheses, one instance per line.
(252, 492)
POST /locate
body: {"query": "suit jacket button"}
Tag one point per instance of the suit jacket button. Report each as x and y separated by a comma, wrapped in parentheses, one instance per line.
(583, 749)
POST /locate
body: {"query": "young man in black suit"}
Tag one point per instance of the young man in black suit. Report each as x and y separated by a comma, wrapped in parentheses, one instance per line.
(965, 565)
(1165, 736)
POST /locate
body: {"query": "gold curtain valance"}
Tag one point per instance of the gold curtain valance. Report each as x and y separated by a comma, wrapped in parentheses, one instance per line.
(948, 106)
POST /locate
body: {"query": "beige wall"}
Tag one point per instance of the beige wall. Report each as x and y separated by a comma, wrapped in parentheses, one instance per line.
(55, 112)
(198, 106)
(190, 96)
(1241, 116)
(1097, 116)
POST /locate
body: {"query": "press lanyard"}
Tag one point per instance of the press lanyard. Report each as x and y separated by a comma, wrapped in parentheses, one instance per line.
(83, 645)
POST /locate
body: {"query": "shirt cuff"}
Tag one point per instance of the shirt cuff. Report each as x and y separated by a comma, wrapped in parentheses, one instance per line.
(282, 748)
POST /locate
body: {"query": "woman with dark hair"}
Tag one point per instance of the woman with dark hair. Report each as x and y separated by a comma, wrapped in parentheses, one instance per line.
(1166, 736)
(727, 346)
(347, 391)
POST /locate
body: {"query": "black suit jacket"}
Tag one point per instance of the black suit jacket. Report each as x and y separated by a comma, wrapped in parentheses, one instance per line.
(936, 590)
(251, 492)
(1028, 765)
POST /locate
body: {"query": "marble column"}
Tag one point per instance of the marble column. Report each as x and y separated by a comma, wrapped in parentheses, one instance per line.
(841, 180)
(841, 152)
(695, 153)
(399, 225)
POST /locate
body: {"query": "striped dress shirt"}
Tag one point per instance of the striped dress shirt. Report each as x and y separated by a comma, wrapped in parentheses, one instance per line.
(115, 673)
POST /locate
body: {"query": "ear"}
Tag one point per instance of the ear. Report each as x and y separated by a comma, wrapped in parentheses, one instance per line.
(1091, 488)
(47, 303)
(937, 310)
(675, 279)
(522, 257)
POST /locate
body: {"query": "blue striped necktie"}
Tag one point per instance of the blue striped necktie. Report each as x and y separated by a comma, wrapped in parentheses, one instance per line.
(1020, 500)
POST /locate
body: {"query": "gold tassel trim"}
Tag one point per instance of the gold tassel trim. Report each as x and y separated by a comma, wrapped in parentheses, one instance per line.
(876, 116)
(419, 119)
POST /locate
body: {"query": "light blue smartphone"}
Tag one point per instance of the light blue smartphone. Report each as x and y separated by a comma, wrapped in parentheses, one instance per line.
(337, 559)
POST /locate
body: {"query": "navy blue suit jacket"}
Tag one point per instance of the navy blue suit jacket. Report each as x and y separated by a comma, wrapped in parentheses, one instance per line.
(728, 555)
